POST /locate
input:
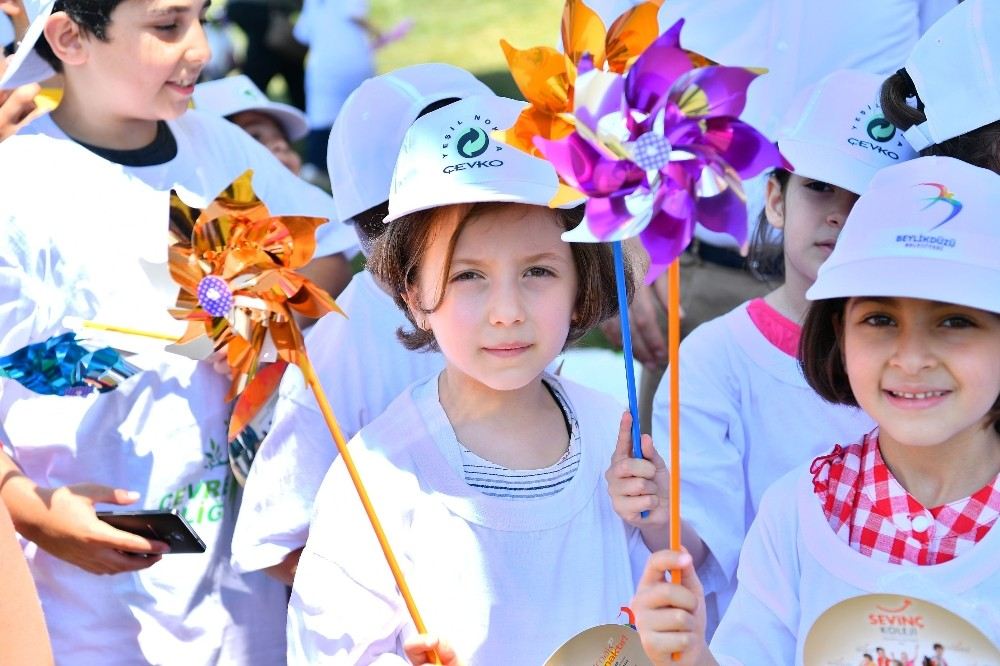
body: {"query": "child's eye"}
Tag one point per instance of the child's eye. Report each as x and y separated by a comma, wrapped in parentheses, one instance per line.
(538, 271)
(958, 321)
(464, 276)
(878, 320)
(819, 186)
(167, 28)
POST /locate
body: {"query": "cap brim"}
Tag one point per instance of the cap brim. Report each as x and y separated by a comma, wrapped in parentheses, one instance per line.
(939, 280)
(292, 120)
(827, 164)
(26, 66)
(531, 193)
(581, 233)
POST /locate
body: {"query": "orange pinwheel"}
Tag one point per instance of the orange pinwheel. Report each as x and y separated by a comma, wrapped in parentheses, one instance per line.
(547, 77)
(235, 264)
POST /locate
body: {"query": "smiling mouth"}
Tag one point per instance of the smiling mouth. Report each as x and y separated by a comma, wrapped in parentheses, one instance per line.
(183, 84)
(917, 396)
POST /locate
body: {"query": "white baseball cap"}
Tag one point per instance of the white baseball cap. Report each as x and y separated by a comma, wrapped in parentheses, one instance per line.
(26, 66)
(926, 228)
(955, 67)
(370, 126)
(235, 94)
(449, 156)
(834, 131)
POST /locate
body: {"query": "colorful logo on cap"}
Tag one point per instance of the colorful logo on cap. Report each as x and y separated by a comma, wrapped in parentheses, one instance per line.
(944, 195)
(472, 143)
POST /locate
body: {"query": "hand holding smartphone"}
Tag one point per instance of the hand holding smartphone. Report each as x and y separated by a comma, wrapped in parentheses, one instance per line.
(166, 526)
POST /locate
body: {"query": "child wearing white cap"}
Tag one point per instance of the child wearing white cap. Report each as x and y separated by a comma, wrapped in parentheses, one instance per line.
(85, 201)
(273, 124)
(297, 452)
(747, 414)
(487, 476)
(905, 323)
(947, 96)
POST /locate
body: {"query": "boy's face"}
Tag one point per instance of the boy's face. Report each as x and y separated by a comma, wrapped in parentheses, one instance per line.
(147, 68)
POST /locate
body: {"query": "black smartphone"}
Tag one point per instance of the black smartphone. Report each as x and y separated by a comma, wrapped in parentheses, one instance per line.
(167, 526)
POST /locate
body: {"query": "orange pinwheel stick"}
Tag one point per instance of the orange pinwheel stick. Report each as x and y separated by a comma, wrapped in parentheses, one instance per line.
(236, 267)
(338, 437)
(674, 343)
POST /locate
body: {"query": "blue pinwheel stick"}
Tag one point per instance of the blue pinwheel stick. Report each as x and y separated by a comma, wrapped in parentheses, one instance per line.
(633, 402)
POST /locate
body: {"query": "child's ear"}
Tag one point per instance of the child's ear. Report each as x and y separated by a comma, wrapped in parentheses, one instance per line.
(65, 39)
(412, 300)
(774, 203)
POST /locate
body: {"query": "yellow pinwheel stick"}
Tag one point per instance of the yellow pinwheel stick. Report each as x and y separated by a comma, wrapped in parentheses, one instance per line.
(76, 323)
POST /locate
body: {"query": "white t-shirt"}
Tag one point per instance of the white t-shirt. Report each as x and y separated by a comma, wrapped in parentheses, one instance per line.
(747, 417)
(362, 366)
(340, 55)
(81, 237)
(798, 42)
(794, 567)
(506, 581)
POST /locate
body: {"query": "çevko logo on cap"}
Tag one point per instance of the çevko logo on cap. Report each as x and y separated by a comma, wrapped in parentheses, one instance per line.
(879, 134)
(466, 145)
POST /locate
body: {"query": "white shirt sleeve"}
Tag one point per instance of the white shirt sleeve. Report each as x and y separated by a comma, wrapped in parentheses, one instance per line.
(762, 621)
(286, 473)
(713, 487)
(298, 450)
(35, 294)
(932, 10)
(326, 599)
(344, 607)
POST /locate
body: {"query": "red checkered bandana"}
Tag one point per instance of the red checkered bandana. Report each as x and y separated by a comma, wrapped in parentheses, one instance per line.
(868, 508)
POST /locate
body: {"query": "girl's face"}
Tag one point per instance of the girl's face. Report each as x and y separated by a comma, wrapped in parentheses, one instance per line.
(510, 293)
(810, 214)
(927, 372)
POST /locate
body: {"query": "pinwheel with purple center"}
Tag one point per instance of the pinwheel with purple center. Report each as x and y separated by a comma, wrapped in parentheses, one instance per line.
(235, 265)
(655, 146)
(547, 77)
(659, 149)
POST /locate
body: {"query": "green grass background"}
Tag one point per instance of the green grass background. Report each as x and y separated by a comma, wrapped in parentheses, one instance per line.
(467, 33)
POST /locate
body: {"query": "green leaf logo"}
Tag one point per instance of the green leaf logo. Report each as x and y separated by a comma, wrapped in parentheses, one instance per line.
(881, 129)
(473, 143)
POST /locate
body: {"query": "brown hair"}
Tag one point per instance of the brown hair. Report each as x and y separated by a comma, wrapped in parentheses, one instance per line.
(397, 254)
(980, 147)
(821, 356)
(767, 254)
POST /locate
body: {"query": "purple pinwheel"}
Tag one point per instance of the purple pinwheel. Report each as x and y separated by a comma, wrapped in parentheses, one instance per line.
(659, 149)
